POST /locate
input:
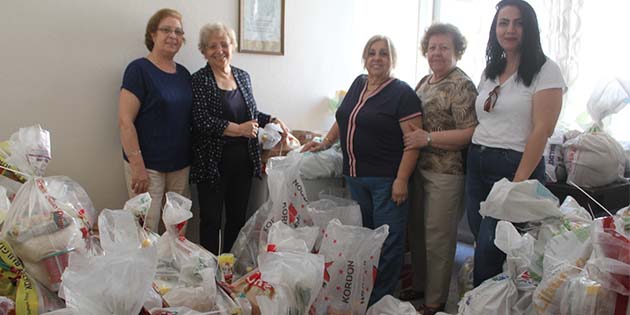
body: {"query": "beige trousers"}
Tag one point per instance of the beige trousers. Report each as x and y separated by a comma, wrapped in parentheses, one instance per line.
(437, 205)
(159, 184)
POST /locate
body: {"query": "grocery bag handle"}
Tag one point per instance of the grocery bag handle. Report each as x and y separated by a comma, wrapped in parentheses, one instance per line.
(589, 196)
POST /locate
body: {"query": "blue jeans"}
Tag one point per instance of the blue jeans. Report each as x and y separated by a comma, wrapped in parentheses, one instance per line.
(374, 195)
(486, 166)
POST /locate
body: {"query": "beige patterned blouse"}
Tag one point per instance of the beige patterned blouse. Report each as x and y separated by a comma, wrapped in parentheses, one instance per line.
(448, 104)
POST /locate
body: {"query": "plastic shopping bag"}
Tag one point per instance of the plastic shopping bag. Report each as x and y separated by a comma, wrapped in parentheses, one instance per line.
(297, 278)
(520, 202)
(594, 159)
(139, 206)
(286, 191)
(49, 218)
(329, 207)
(186, 271)
(494, 296)
(248, 244)
(4, 204)
(352, 255)
(26, 154)
(390, 305)
(282, 238)
(323, 164)
(117, 282)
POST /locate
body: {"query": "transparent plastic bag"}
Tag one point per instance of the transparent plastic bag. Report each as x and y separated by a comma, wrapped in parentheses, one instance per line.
(186, 271)
(390, 305)
(27, 151)
(49, 218)
(5, 204)
(594, 159)
(139, 206)
(297, 278)
(323, 164)
(352, 254)
(117, 282)
(248, 244)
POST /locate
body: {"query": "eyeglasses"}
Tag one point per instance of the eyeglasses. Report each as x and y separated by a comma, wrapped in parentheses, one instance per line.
(167, 30)
(488, 105)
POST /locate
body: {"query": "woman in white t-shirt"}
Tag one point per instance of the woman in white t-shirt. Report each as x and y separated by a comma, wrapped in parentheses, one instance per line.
(519, 101)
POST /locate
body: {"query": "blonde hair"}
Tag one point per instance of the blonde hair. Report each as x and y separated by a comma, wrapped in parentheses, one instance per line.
(390, 47)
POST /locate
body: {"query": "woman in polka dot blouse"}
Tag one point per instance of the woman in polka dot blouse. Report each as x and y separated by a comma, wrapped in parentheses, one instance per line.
(226, 154)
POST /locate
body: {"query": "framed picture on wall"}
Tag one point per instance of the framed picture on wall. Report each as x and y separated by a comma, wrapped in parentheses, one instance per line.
(261, 27)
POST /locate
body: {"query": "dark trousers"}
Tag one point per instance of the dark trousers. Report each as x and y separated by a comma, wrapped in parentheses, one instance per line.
(231, 192)
(485, 166)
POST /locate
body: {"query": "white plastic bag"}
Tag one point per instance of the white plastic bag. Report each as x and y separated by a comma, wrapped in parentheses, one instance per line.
(328, 207)
(594, 159)
(390, 305)
(27, 151)
(49, 218)
(269, 136)
(520, 202)
(297, 278)
(494, 296)
(117, 282)
(283, 238)
(323, 164)
(139, 206)
(286, 191)
(5, 204)
(186, 271)
(352, 255)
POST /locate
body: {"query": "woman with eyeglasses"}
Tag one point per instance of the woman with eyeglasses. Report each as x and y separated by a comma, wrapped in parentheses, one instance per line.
(519, 102)
(154, 116)
(226, 154)
(373, 117)
(448, 101)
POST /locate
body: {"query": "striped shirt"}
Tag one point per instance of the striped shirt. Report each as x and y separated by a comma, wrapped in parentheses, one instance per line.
(369, 127)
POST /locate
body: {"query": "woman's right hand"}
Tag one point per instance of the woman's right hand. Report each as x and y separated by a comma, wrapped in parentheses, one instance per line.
(139, 179)
(249, 129)
(314, 146)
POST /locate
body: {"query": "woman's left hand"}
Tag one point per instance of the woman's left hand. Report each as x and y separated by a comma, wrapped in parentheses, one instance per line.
(399, 191)
(416, 139)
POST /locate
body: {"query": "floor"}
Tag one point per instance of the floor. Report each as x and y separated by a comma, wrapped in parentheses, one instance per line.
(464, 250)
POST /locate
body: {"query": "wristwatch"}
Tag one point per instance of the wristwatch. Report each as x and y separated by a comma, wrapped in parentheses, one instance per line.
(429, 139)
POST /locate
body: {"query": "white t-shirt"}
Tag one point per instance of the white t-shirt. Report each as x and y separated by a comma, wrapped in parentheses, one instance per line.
(509, 124)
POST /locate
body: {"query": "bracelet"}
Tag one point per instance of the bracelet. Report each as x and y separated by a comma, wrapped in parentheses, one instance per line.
(429, 139)
(134, 153)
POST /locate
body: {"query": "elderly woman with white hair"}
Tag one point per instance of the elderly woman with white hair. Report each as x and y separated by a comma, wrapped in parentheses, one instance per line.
(226, 154)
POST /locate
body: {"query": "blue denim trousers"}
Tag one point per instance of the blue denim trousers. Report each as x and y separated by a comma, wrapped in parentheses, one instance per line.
(485, 166)
(374, 195)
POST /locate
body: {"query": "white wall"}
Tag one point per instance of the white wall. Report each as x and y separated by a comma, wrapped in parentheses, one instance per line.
(61, 65)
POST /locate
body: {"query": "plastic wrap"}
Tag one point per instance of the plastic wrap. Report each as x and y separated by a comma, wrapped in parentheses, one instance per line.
(49, 218)
(117, 282)
(186, 271)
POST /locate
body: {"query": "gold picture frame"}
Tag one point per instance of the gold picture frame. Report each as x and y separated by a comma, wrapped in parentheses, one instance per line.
(261, 27)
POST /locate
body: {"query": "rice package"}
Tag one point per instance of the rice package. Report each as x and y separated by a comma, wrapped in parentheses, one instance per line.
(351, 265)
(186, 271)
(49, 218)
